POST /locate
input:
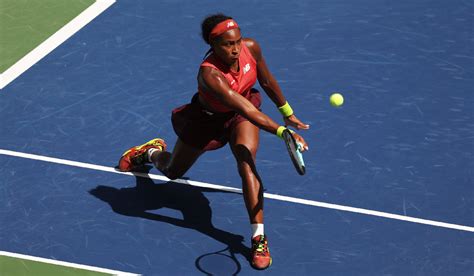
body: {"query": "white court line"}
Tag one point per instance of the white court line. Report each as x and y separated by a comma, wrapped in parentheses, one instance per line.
(54, 41)
(61, 263)
(230, 189)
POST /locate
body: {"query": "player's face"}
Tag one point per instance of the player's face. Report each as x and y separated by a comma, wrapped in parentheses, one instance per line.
(227, 47)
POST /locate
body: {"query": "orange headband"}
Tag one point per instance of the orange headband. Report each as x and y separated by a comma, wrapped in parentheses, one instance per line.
(223, 27)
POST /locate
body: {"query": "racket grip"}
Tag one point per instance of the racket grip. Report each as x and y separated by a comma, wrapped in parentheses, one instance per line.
(300, 146)
(299, 153)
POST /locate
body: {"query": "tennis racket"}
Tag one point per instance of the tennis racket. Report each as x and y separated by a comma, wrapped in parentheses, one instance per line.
(294, 150)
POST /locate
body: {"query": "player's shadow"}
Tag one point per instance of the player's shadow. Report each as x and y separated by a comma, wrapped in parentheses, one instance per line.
(147, 196)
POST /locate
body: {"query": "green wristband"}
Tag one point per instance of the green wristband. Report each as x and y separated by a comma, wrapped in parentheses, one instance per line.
(286, 110)
(280, 130)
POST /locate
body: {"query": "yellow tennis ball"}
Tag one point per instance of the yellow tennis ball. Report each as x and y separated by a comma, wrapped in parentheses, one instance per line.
(336, 99)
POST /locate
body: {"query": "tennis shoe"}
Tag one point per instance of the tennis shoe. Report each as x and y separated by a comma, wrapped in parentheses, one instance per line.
(137, 156)
(261, 258)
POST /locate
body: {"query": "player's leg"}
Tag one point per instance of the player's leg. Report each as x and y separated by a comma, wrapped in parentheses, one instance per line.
(177, 163)
(173, 165)
(244, 144)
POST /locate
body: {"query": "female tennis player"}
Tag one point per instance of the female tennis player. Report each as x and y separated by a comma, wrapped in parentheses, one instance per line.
(226, 109)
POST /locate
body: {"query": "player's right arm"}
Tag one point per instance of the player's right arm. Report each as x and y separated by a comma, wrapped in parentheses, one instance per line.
(214, 82)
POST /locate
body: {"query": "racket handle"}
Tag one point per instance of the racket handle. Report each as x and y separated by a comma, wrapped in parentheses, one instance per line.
(300, 146)
(299, 153)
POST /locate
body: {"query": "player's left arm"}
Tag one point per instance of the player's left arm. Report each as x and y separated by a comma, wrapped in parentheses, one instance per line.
(269, 83)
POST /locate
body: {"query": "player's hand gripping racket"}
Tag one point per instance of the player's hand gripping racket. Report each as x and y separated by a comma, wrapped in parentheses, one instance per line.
(294, 150)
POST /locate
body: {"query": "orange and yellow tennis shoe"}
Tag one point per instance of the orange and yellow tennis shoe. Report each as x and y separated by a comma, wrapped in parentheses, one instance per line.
(261, 258)
(137, 156)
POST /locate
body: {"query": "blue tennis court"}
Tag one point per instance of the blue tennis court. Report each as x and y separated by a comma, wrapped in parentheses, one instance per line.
(402, 143)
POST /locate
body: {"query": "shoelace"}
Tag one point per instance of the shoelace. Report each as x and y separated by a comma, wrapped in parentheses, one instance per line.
(139, 150)
(140, 155)
(261, 246)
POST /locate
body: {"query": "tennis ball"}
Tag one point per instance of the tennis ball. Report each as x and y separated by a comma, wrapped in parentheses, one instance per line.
(336, 99)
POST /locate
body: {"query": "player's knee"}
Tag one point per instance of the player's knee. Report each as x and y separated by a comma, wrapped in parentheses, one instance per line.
(244, 153)
(245, 169)
(171, 174)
